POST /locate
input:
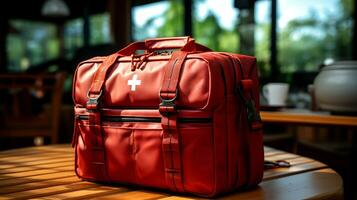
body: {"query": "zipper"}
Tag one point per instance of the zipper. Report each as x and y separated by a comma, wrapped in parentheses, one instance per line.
(147, 119)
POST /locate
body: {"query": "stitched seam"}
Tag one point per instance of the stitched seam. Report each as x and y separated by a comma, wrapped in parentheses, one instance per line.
(171, 72)
(172, 156)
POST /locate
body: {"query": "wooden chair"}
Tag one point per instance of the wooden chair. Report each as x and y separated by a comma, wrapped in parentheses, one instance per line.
(30, 105)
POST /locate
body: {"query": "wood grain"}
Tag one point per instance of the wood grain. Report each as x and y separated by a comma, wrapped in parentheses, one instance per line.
(40, 184)
(308, 118)
(318, 184)
(47, 173)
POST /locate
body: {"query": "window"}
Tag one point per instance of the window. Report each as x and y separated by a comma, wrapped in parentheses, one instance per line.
(30, 43)
(215, 24)
(99, 33)
(73, 36)
(320, 30)
(100, 29)
(161, 19)
(262, 36)
(309, 32)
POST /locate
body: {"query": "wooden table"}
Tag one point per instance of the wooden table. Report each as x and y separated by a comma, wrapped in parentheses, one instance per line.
(306, 117)
(47, 172)
(324, 119)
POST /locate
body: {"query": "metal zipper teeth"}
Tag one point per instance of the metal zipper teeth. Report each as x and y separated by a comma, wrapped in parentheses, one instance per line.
(146, 119)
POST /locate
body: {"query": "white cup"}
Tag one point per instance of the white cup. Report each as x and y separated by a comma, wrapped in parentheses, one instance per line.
(276, 93)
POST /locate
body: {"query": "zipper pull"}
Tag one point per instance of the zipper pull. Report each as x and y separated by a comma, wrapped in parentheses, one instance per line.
(253, 116)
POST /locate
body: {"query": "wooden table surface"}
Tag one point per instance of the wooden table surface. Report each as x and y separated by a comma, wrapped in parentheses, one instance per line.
(306, 117)
(47, 172)
(298, 117)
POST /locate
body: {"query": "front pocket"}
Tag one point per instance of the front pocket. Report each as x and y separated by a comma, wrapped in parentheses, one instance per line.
(134, 154)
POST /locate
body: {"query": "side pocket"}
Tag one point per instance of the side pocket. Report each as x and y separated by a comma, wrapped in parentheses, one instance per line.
(84, 153)
(254, 151)
(234, 157)
(256, 156)
(134, 153)
(242, 162)
(197, 157)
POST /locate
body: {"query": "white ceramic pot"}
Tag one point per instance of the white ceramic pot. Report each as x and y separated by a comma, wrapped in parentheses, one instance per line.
(336, 87)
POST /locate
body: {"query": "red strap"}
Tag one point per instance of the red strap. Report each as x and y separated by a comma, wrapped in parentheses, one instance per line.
(100, 75)
(248, 99)
(247, 85)
(98, 152)
(172, 75)
(172, 153)
(167, 43)
(94, 93)
(171, 137)
(131, 48)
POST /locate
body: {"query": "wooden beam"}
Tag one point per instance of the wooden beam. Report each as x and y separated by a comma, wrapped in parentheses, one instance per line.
(86, 26)
(3, 33)
(354, 37)
(273, 42)
(120, 21)
(188, 17)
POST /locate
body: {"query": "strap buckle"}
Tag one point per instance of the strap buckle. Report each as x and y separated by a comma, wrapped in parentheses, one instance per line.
(92, 103)
(168, 105)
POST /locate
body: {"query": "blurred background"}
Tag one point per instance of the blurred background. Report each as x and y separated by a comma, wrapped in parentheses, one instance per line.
(42, 41)
(277, 32)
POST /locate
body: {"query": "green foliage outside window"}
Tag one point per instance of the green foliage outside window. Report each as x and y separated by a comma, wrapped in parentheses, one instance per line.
(173, 20)
(304, 43)
(211, 34)
(73, 36)
(30, 43)
(100, 29)
(206, 31)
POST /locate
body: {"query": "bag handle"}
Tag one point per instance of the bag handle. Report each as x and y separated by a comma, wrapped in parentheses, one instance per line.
(131, 48)
(185, 44)
(168, 43)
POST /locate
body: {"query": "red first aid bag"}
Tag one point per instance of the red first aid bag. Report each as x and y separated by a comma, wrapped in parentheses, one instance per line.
(178, 116)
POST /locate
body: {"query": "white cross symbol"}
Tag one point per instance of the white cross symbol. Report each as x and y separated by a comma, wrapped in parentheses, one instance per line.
(134, 82)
